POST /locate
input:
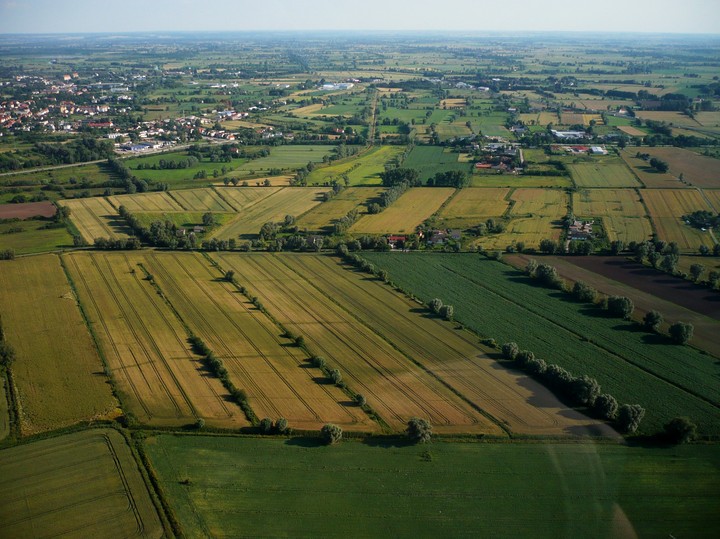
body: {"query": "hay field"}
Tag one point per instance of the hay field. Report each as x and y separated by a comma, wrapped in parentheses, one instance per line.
(293, 201)
(309, 110)
(259, 360)
(698, 170)
(411, 209)
(362, 170)
(95, 218)
(243, 198)
(204, 200)
(85, 484)
(523, 406)
(621, 211)
(395, 387)
(632, 131)
(58, 373)
(322, 216)
(602, 174)
(146, 202)
(160, 380)
(666, 208)
(474, 205)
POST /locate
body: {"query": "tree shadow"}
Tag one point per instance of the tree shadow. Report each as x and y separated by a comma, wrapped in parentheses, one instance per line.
(305, 441)
(388, 442)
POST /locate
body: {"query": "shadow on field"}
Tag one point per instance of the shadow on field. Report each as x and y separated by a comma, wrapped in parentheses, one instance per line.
(388, 442)
(305, 441)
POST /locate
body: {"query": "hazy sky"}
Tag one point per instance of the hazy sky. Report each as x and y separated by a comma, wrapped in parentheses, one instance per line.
(42, 16)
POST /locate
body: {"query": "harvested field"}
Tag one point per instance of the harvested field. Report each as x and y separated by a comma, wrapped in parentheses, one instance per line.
(309, 110)
(27, 209)
(274, 374)
(96, 218)
(666, 208)
(322, 217)
(200, 200)
(515, 400)
(85, 484)
(621, 211)
(698, 170)
(146, 202)
(406, 213)
(58, 374)
(293, 201)
(145, 346)
(676, 298)
(714, 197)
(395, 387)
(632, 131)
(243, 198)
(676, 118)
(647, 175)
(474, 205)
(571, 118)
(602, 174)
(453, 103)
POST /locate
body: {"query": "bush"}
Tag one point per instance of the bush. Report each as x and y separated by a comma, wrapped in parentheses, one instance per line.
(681, 332)
(652, 321)
(419, 430)
(265, 425)
(335, 376)
(319, 362)
(620, 306)
(281, 425)
(680, 430)
(360, 399)
(584, 292)
(606, 406)
(331, 434)
(523, 357)
(629, 417)
(447, 312)
(435, 305)
(510, 350)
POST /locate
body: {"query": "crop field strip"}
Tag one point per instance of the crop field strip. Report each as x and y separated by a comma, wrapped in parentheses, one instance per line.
(474, 205)
(449, 354)
(602, 174)
(406, 213)
(491, 298)
(146, 346)
(4, 410)
(666, 208)
(647, 175)
(85, 484)
(94, 218)
(205, 200)
(395, 388)
(146, 202)
(293, 201)
(243, 198)
(58, 373)
(324, 215)
(273, 374)
(621, 211)
(364, 169)
(713, 196)
(699, 170)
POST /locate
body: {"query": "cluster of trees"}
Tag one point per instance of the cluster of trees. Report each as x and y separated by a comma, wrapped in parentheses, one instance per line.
(7, 353)
(7, 254)
(658, 164)
(364, 265)
(280, 426)
(129, 182)
(344, 223)
(120, 244)
(77, 150)
(581, 390)
(491, 226)
(703, 219)
(216, 366)
(169, 164)
(451, 178)
(445, 311)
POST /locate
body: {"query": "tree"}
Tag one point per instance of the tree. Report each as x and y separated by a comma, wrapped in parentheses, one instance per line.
(680, 430)
(585, 390)
(208, 219)
(331, 434)
(335, 376)
(265, 425)
(616, 247)
(360, 399)
(200, 423)
(652, 321)
(548, 275)
(447, 311)
(419, 430)
(583, 292)
(696, 270)
(548, 246)
(229, 276)
(510, 350)
(620, 306)
(281, 425)
(606, 406)
(435, 305)
(681, 332)
(531, 267)
(629, 417)
(669, 264)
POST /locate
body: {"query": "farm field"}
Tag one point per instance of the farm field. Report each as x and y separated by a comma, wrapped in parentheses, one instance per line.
(322, 217)
(146, 202)
(27, 209)
(622, 213)
(430, 160)
(85, 484)
(259, 360)
(31, 236)
(698, 170)
(57, 361)
(362, 170)
(647, 175)
(666, 208)
(472, 206)
(182, 219)
(200, 200)
(491, 297)
(4, 410)
(675, 298)
(714, 198)
(95, 218)
(160, 381)
(602, 174)
(283, 157)
(516, 401)
(457, 489)
(632, 131)
(293, 201)
(395, 387)
(522, 180)
(242, 198)
(406, 213)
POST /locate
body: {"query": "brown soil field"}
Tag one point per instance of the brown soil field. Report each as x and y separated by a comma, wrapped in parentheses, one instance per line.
(666, 208)
(145, 345)
(58, 374)
(698, 170)
(85, 484)
(96, 218)
(395, 387)
(26, 210)
(274, 374)
(454, 356)
(675, 298)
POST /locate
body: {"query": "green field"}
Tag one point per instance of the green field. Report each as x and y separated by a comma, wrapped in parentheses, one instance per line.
(235, 487)
(4, 410)
(33, 238)
(362, 170)
(602, 174)
(182, 219)
(283, 157)
(635, 367)
(430, 160)
(85, 484)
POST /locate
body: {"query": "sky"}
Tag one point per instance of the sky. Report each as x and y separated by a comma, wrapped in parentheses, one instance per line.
(511, 16)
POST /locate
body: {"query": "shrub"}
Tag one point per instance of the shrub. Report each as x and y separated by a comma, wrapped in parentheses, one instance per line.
(584, 292)
(331, 434)
(281, 425)
(681, 332)
(510, 350)
(620, 306)
(265, 425)
(680, 430)
(419, 430)
(606, 406)
(652, 321)
(435, 305)
(629, 417)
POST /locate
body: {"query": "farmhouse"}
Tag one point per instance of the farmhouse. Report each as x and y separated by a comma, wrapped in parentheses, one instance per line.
(568, 134)
(580, 230)
(396, 242)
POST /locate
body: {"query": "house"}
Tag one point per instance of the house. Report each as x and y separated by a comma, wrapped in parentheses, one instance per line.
(580, 230)
(396, 242)
(598, 150)
(437, 237)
